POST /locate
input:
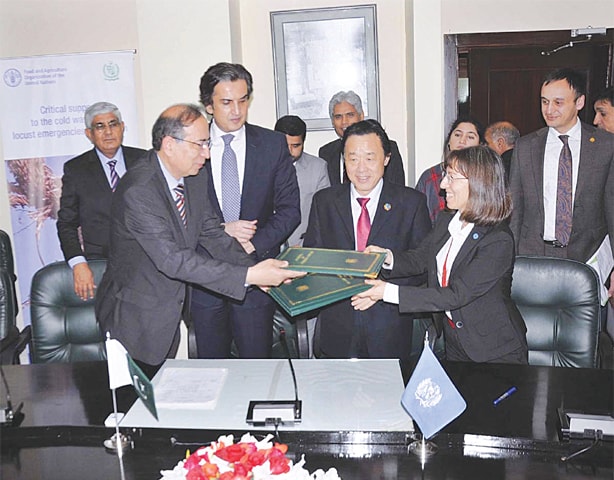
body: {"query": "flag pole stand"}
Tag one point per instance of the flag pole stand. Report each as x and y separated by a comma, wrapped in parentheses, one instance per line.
(118, 442)
(422, 448)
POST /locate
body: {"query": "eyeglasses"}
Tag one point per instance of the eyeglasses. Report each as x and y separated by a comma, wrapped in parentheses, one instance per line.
(450, 178)
(101, 127)
(200, 143)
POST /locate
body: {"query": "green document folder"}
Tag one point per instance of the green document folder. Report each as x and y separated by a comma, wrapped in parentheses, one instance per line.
(333, 262)
(316, 290)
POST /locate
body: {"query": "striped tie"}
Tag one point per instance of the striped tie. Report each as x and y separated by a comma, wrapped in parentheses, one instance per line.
(180, 201)
(114, 175)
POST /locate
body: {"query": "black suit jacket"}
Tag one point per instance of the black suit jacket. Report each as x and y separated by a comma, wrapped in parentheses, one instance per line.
(593, 206)
(152, 256)
(401, 222)
(270, 190)
(86, 203)
(479, 287)
(393, 173)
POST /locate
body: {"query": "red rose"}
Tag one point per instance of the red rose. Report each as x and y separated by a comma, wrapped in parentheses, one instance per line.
(196, 474)
(254, 459)
(279, 465)
(231, 454)
(241, 470)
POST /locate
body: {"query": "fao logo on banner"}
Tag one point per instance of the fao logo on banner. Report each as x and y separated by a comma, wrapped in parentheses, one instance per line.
(110, 71)
(12, 77)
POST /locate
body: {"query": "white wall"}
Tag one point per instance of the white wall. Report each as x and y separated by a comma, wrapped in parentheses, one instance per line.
(257, 56)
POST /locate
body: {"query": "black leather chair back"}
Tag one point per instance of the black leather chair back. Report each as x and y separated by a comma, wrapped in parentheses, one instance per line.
(559, 301)
(8, 295)
(64, 327)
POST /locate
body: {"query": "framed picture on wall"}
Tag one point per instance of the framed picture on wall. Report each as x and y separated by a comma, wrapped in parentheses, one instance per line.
(319, 52)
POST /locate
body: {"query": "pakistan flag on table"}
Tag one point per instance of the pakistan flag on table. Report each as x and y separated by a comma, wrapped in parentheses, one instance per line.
(123, 371)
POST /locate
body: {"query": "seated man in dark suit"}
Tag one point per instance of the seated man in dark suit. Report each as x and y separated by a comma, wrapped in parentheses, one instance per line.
(345, 109)
(350, 216)
(87, 185)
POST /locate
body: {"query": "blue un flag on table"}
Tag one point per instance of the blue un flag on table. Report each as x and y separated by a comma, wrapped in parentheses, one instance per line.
(430, 397)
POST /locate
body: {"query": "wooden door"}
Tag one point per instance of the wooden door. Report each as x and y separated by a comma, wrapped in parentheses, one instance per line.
(505, 77)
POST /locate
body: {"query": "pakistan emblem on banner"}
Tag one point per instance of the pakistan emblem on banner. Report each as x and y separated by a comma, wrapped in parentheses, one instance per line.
(110, 71)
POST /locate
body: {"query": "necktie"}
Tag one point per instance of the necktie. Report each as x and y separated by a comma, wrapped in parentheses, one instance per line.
(363, 227)
(564, 207)
(180, 202)
(231, 194)
(114, 175)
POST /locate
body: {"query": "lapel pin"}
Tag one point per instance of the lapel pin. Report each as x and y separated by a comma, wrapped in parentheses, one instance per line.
(476, 236)
(387, 206)
(592, 139)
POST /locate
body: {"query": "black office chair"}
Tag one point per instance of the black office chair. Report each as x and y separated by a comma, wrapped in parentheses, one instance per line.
(559, 301)
(64, 327)
(12, 341)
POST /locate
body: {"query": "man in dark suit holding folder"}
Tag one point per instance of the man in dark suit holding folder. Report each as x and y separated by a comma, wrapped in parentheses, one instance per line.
(160, 213)
(353, 215)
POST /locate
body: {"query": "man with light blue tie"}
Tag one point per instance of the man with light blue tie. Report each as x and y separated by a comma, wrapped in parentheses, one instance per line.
(253, 187)
(87, 185)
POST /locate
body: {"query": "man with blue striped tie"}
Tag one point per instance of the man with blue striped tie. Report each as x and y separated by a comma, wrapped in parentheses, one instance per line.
(154, 234)
(87, 186)
(253, 187)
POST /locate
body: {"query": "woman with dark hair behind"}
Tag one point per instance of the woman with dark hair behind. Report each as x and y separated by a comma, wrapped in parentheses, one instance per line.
(464, 132)
(469, 257)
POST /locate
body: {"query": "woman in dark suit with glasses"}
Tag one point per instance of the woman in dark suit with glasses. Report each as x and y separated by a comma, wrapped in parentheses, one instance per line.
(469, 257)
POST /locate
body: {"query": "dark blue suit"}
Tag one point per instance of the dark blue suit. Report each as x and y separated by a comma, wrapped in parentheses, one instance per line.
(401, 222)
(270, 195)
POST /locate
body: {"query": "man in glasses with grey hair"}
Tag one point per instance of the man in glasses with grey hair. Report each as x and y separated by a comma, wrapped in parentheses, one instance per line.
(87, 186)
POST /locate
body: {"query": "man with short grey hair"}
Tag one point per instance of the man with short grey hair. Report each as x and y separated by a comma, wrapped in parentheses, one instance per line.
(345, 109)
(87, 186)
(502, 137)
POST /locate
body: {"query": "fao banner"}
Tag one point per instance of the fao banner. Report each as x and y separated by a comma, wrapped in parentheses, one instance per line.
(43, 101)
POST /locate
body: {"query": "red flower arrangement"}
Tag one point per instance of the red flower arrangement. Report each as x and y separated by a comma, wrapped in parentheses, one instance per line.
(249, 459)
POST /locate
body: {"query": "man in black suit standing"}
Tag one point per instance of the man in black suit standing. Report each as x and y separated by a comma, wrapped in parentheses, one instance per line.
(160, 213)
(558, 215)
(87, 186)
(345, 109)
(367, 211)
(253, 187)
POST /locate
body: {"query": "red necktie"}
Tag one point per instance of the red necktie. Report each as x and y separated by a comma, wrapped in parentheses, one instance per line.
(363, 227)
(444, 279)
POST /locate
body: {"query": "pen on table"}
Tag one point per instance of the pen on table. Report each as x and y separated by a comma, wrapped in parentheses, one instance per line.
(506, 394)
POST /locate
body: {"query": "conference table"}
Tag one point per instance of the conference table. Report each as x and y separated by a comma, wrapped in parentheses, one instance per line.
(60, 431)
